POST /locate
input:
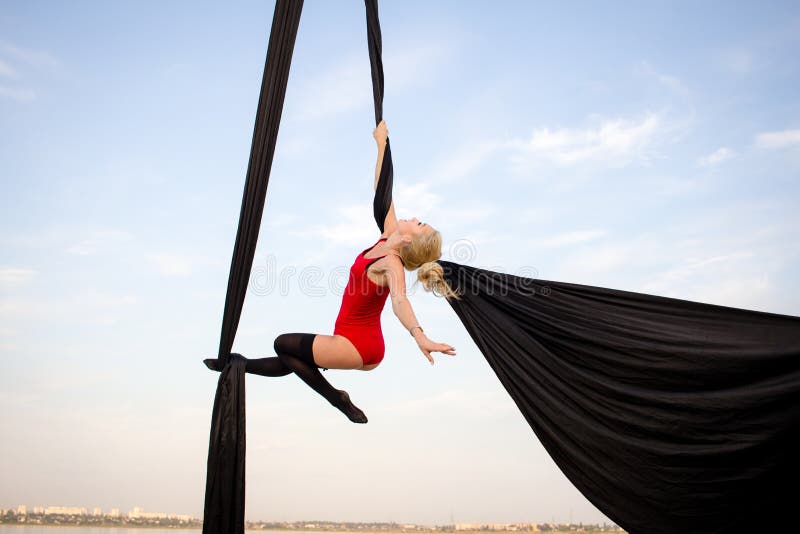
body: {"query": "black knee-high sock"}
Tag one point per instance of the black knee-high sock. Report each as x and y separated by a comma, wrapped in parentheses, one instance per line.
(294, 351)
(272, 366)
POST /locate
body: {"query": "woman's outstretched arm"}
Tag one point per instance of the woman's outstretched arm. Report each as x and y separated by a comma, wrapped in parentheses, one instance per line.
(401, 306)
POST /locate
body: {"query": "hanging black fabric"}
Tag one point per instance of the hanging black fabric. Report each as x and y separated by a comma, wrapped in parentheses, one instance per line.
(224, 500)
(383, 194)
(670, 416)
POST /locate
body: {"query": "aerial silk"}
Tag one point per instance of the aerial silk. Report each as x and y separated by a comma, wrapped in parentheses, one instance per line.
(670, 416)
(224, 500)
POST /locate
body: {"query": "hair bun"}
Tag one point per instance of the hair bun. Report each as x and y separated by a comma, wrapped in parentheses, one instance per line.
(431, 275)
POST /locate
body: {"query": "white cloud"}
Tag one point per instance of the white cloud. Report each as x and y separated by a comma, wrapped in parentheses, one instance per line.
(15, 276)
(567, 238)
(340, 89)
(38, 58)
(671, 186)
(716, 157)
(355, 222)
(33, 58)
(97, 300)
(171, 264)
(97, 240)
(778, 139)
(692, 267)
(701, 259)
(20, 95)
(737, 61)
(411, 64)
(464, 161)
(615, 142)
(747, 292)
(416, 200)
(352, 226)
(733, 279)
(665, 79)
(6, 70)
(347, 85)
(87, 306)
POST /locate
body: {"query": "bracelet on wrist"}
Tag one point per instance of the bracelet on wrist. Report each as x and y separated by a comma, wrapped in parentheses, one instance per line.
(411, 330)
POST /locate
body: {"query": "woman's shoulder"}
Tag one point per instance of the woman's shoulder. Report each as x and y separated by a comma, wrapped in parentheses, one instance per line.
(392, 258)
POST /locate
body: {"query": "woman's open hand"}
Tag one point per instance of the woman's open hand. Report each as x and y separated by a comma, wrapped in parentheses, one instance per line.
(427, 346)
(380, 133)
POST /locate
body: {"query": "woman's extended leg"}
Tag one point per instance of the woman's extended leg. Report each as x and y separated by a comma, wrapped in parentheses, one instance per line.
(272, 366)
(296, 352)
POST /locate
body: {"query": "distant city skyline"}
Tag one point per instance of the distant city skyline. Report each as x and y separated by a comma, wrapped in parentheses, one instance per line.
(135, 512)
(643, 146)
(139, 513)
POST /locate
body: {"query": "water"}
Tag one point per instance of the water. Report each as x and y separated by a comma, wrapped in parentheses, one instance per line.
(40, 529)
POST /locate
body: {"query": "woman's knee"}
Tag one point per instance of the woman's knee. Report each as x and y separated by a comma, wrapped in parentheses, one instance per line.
(296, 345)
(281, 345)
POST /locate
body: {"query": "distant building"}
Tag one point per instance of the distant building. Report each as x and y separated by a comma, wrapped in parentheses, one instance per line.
(65, 510)
(139, 513)
(22, 509)
(39, 510)
(114, 512)
(496, 526)
(97, 511)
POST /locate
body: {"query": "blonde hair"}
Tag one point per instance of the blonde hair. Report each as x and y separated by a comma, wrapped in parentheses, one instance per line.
(421, 255)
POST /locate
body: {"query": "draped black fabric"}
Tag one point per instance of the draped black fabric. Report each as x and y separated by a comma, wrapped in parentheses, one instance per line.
(224, 502)
(224, 499)
(383, 194)
(671, 416)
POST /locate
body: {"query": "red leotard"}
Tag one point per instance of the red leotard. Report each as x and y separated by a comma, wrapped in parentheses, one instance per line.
(359, 318)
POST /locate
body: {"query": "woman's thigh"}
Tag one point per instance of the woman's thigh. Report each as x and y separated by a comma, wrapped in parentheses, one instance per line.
(336, 352)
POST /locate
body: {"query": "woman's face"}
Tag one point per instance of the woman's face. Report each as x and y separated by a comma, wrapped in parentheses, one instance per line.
(413, 227)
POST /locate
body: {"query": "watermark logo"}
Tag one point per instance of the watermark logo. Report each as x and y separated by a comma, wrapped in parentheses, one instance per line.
(312, 280)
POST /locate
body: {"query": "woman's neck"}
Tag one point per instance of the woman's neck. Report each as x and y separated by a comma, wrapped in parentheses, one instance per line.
(394, 241)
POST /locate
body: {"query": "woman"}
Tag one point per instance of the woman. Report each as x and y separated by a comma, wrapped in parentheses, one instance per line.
(357, 340)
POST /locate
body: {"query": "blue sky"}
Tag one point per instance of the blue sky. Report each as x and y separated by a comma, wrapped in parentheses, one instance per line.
(651, 148)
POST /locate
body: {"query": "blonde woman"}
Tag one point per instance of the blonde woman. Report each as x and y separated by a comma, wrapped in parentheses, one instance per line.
(357, 341)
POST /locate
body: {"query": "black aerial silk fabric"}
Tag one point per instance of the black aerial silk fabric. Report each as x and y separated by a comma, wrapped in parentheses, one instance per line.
(224, 499)
(671, 416)
(383, 194)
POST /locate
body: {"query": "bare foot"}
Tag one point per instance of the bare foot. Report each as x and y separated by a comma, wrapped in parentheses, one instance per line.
(350, 410)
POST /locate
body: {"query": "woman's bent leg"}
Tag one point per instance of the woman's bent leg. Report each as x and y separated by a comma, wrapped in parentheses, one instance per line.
(295, 351)
(272, 366)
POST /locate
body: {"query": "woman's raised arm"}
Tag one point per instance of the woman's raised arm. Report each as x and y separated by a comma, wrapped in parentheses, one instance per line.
(381, 135)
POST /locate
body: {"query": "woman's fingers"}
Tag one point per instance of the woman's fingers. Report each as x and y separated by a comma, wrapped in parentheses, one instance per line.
(447, 349)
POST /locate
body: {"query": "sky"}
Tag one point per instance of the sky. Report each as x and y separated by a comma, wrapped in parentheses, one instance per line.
(650, 147)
